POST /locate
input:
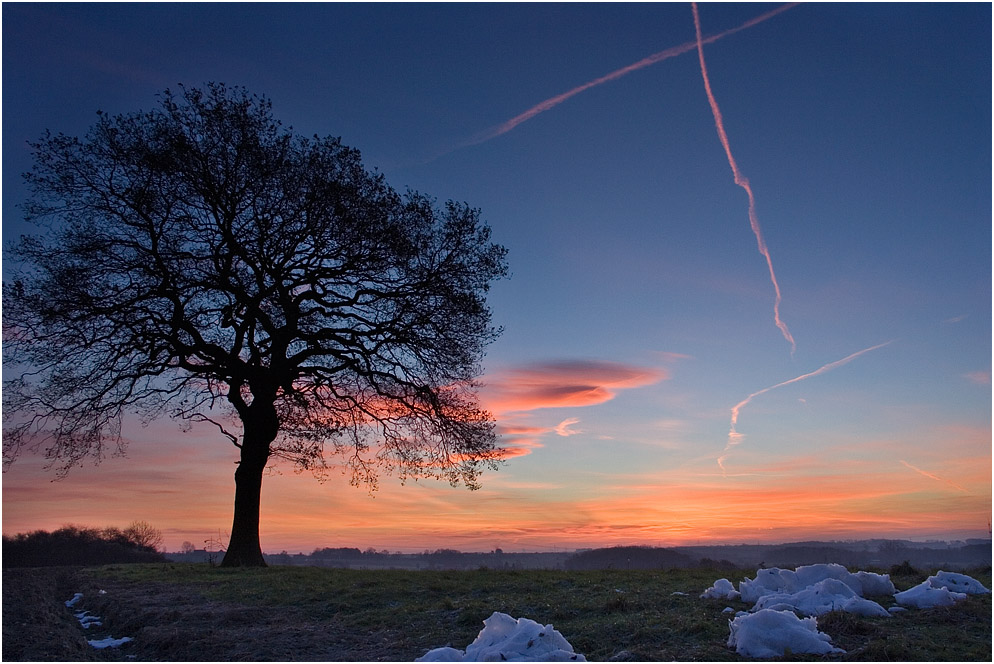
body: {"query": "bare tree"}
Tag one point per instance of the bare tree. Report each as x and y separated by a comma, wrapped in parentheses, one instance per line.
(202, 262)
(144, 535)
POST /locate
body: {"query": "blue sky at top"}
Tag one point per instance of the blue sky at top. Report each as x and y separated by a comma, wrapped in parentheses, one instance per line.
(864, 130)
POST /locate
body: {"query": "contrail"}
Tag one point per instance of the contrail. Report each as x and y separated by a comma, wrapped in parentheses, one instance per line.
(507, 126)
(740, 180)
(734, 437)
(934, 477)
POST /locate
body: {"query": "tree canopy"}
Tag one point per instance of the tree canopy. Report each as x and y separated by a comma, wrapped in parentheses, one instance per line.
(201, 261)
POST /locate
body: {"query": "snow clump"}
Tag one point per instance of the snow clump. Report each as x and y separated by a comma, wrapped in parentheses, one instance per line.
(769, 633)
(924, 596)
(814, 590)
(875, 584)
(722, 589)
(778, 595)
(504, 638)
(820, 598)
(942, 589)
(960, 583)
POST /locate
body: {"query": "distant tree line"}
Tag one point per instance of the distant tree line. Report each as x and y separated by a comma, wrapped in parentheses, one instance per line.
(630, 557)
(723, 559)
(79, 545)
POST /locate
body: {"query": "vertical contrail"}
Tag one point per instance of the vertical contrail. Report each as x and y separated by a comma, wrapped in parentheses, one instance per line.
(734, 437)
(740, 180)
(551, 102)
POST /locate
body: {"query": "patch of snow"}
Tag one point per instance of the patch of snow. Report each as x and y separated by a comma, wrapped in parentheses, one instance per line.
(504, 638)
(813, 590)
(677, 592)
(808, 575)
(776, 581)
(109, 642)
(728, 609)
(722, 589)
(875, 584)
(86, 620)
(769, 633)
(897, 609)
(445, 654)
(767, 582)
(864, 607)
(960, 583)
(924, 596)
(829, 594)
(942, 589)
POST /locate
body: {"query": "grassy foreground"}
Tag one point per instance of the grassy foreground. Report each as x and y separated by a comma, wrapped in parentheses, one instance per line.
(625, 615)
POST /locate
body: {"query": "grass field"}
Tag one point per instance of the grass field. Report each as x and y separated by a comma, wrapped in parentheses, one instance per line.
(195, 612)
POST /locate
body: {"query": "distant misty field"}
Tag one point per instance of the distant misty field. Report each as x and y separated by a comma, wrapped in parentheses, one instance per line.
(196, 612)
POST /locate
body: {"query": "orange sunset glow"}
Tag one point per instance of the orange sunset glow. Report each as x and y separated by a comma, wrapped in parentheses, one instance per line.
(747, 294)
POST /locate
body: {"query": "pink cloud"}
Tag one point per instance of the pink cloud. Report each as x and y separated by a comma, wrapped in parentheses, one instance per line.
(667, 356)
(979, 377)
(563, 428)
(564, 384)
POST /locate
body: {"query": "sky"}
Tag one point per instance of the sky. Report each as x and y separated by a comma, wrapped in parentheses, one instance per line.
(751, 306)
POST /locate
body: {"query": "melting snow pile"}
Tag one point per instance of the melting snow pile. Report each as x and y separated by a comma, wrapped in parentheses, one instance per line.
(943, 589)
(769, 633)
(772, 626)
(820, 598)
(87, 620)
(813, 590)
(505, 639)
(722, 589)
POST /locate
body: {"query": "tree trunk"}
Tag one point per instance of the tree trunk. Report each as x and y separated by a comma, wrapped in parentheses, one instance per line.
(244, 548)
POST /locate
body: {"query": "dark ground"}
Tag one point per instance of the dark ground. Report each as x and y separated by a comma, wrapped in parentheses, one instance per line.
(173, 625)
(178, 612)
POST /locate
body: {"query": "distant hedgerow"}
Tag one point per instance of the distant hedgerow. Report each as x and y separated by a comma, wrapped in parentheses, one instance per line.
(76, 545)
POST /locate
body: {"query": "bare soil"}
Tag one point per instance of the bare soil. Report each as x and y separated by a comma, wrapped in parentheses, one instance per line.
(167, 624)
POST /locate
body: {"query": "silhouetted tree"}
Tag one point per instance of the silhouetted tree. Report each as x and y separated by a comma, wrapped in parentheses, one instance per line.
(74, 545)
(144, 535)
(205, 263)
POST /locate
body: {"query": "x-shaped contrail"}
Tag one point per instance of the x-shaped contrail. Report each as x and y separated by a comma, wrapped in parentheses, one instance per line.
(552, 102)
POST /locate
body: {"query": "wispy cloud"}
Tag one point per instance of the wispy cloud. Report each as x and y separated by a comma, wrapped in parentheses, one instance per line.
(668, 356)
(734, 437)
(564, 428)
(933, 476)
(978, 377)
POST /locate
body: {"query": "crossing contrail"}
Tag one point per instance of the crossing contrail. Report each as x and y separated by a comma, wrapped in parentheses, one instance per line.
(734, 437)
(507, 126)
(740, 180)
